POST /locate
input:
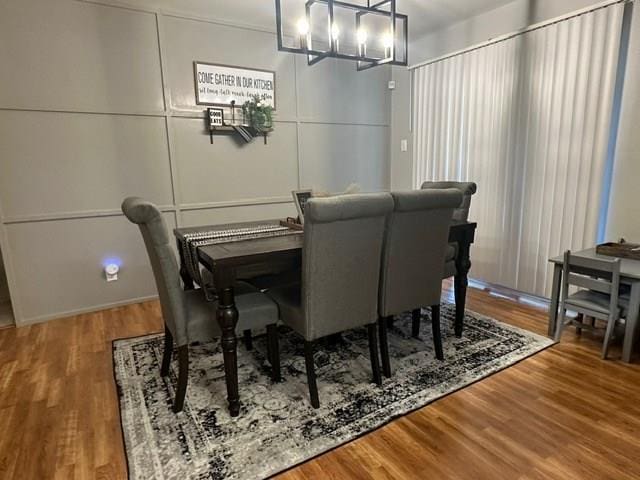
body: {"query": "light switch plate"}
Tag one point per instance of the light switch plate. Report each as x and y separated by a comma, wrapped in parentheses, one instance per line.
(404, 145)
(392, 85)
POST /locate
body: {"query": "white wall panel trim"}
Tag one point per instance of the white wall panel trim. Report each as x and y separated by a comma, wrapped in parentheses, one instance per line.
(235, 203)
(74, 215)
(177, 14)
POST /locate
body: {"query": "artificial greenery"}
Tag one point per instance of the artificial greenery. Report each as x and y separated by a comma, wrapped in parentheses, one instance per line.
(258, 114)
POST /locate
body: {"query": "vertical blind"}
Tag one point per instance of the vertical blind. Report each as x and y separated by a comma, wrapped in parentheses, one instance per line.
(528, 119)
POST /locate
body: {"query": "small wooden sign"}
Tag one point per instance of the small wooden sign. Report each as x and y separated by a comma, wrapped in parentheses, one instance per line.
(216, 117)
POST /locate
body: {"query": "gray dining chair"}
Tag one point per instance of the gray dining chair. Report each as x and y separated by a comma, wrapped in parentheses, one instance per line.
(598, 296)
(188, 316)
(341, 257)
(460, 214)
(415, 245)
(468, 189)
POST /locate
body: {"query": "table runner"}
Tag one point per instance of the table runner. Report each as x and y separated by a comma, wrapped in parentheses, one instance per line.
(190, 243)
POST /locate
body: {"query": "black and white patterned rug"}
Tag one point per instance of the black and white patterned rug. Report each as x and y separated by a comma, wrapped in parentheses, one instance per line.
(277, 427)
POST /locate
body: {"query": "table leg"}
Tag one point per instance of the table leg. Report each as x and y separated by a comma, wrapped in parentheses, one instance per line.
(460, 284)
(632, 322)
(227, 317)
(555, 299)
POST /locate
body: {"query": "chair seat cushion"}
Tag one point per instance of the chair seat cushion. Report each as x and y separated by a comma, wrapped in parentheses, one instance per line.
(596, 301)
(289, 301)
(284, 279)
(449, 260)
(255, 311)
(449, 269)
(452, 252)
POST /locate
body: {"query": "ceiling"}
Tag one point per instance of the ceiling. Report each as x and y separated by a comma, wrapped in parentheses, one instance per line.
(425, 16)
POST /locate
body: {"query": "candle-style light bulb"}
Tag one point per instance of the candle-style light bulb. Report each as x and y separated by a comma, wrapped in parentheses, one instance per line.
(362, 42)
(335, 34)
(387, 43)
(303, 31)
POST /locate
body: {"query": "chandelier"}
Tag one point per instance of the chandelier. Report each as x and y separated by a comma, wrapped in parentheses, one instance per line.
(372, 34)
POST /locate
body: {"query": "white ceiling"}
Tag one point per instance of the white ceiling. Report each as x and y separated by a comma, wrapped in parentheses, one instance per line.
(425, 16)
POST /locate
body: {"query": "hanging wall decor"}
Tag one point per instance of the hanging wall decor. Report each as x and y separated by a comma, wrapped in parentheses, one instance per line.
(249, 95)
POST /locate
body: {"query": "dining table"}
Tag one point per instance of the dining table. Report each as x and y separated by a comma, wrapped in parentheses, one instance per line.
(269, 250)
(629, 275)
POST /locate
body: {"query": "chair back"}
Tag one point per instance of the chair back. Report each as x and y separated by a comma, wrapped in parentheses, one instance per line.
(596, 274)
(416, 240)
(341, 256)
(163, 262)
(461, 213)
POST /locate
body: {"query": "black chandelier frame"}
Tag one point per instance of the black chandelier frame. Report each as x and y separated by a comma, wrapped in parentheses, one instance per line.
(363, 61)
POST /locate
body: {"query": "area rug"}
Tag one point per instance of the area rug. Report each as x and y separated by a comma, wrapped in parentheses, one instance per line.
(277, 427)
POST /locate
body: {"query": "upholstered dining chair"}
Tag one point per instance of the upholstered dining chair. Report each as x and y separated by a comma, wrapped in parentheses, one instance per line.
(188, 316)
(341, 256)
(460, 214)
(416, 240)
(599, 295)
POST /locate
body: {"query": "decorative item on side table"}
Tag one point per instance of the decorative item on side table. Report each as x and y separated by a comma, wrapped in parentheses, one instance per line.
(258, 116)
(622, 249)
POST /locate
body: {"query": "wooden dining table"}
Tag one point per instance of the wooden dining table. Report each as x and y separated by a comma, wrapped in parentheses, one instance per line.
(226, 260)
(629, 275)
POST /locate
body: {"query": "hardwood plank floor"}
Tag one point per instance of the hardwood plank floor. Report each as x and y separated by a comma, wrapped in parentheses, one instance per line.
(562, 414)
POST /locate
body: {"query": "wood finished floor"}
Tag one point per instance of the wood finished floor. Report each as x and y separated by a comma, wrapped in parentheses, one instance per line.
(562, 414)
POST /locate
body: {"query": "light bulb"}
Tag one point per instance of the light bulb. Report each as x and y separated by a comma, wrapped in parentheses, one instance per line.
(303, 26)
(387, 40)
(335, 31)
(362, 36)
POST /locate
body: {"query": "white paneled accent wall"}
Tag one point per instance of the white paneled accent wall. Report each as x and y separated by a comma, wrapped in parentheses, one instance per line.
(97, 103)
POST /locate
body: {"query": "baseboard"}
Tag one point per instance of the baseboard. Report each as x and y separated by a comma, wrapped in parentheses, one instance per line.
(80, 311)
(511, 294)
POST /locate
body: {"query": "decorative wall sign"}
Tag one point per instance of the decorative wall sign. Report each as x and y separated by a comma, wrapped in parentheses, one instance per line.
(216, 117)
(223, 84)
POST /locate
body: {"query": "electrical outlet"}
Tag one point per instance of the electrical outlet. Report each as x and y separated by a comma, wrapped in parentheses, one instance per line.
(404, 145)
(392, 85)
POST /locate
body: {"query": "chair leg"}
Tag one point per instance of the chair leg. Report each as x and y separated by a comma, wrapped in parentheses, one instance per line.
(311, 374)
(437, 336)
(274, 351)
(168, 350)
(415, 322)
(580, 320)
(373, 354)
(607, 337)
(384, 346)
(248, 340)
(183, 377)
(560, 325)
